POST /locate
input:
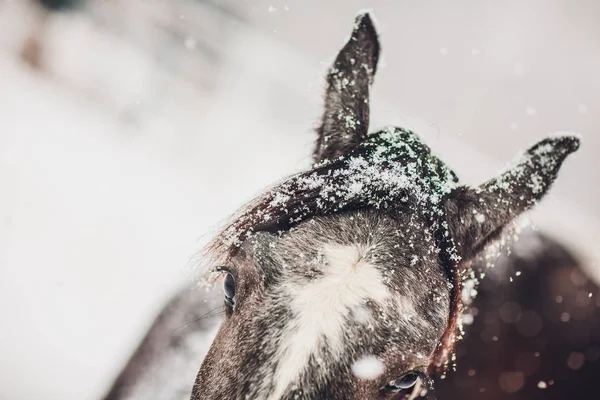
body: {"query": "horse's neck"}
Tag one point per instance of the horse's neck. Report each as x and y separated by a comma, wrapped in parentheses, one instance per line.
(165, 364)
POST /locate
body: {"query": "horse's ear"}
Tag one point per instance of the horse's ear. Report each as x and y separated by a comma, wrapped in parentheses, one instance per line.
(478, 215)
(345, 120)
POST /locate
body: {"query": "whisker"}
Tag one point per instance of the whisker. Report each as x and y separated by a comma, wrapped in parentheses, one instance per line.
(212, 313)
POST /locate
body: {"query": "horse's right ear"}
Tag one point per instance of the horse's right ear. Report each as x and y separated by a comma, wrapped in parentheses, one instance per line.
(345, 121)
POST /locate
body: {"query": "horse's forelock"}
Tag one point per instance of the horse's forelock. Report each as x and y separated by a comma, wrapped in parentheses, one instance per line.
(389, 169)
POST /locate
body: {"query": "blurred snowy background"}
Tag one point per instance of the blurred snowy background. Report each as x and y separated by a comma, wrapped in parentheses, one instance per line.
(129, 129)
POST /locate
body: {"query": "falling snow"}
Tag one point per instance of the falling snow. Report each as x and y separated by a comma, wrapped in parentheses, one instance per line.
(190, 43)
(530, 111)
(369, 367)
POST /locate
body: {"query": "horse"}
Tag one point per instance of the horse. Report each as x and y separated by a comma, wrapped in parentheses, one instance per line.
(345, 281)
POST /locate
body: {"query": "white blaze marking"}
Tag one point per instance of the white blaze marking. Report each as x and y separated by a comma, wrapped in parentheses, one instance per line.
(320, 308)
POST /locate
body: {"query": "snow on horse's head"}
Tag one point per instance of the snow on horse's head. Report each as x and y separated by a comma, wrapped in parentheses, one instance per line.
(343, 282)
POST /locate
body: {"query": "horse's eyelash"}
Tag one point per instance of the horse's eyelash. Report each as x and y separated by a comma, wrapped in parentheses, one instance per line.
(217, 273)
(224, 269)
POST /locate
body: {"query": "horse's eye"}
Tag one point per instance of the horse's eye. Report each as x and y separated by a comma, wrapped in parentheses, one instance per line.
(407, 381)
(404, 386)
(229, 289)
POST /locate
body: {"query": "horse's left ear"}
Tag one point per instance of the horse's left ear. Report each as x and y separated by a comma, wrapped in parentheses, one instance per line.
(345, 120)
(478, 215)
